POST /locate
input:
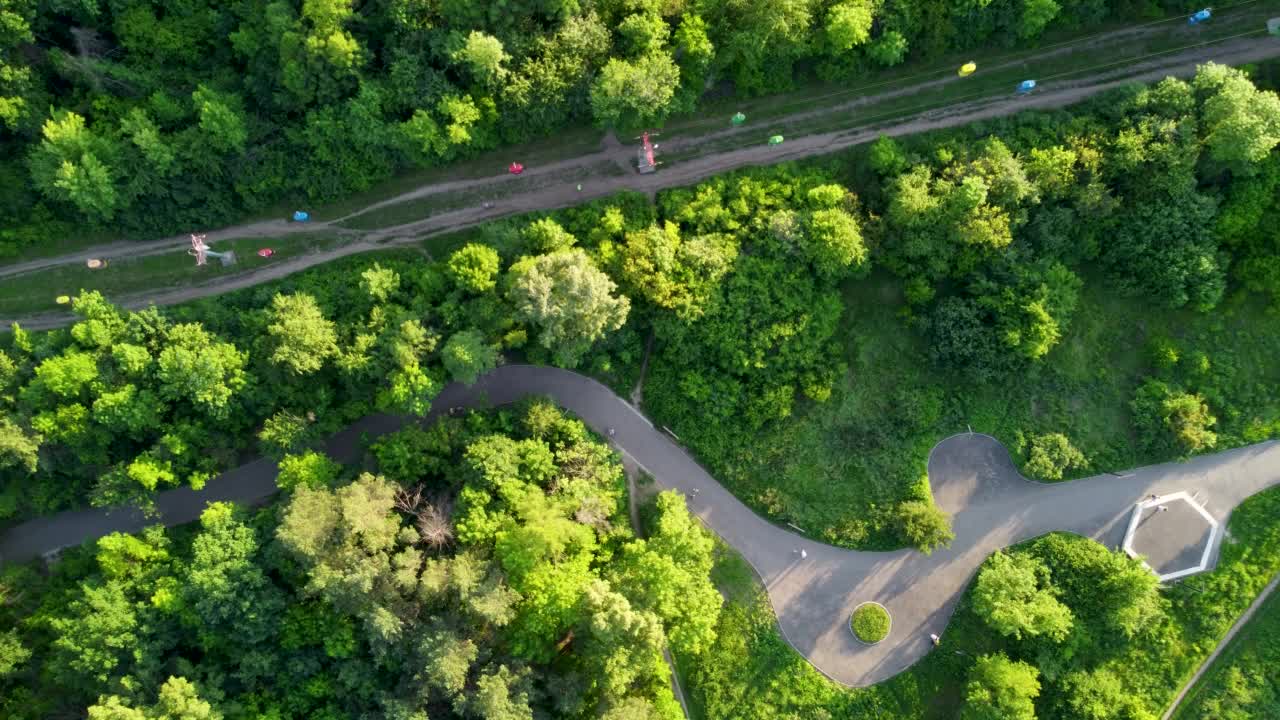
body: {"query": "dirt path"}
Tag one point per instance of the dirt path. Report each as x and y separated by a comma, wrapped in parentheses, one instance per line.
(1222, 645)
(541, 195)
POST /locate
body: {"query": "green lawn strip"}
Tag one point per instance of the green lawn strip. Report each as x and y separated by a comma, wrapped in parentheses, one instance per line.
(36, 292)
(1244, 676)
(751, 672)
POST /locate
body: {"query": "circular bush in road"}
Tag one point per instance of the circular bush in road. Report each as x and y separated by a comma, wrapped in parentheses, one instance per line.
(870, 622)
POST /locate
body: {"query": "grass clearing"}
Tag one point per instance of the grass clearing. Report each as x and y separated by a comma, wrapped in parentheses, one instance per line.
(839, 468)
(36, 292)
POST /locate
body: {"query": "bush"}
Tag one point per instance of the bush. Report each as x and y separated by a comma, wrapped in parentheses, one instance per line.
(1051, 455)
(870, 622)
(923, 525)
(1169, 419)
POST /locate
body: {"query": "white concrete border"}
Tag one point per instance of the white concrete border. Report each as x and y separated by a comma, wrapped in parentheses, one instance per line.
(1183, 496)
(887, 614)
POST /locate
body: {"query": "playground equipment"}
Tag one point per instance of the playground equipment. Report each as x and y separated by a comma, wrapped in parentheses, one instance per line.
(645, 163)
(737, 119)
(202, 252)
(775, 139)
(1026, 86)
(515, 168)
(967, 69)
(1200, 17)
(301, 216)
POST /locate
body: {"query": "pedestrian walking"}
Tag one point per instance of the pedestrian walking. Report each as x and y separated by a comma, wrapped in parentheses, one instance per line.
(933, 637)
(804, 554)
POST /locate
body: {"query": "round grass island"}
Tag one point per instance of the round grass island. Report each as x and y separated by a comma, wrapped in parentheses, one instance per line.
(870, 622)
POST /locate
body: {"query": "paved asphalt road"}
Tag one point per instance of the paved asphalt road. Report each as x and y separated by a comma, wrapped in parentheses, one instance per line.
(992, 507)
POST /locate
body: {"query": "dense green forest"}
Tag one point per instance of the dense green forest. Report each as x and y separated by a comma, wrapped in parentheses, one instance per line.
(488, 571)
(143, 116)
(1009, 259)
(1098, 287)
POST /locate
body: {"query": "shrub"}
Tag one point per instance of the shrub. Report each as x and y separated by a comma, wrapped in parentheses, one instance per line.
(1051, 455)
(923, 525)
(1170, 419)
(870, 622)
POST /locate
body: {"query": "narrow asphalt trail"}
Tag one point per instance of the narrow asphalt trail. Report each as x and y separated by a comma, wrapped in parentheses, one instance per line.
(972, 477)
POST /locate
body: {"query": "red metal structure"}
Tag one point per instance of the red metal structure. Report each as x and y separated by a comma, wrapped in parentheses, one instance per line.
(645, 163)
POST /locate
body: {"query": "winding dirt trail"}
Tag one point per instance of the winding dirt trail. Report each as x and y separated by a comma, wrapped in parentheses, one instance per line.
(538, 189)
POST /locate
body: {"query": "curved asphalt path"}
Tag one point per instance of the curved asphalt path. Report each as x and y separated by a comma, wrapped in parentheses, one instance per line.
(991, 505)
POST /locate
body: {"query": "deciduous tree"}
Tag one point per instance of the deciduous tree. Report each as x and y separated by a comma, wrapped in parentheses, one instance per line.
(569, 300)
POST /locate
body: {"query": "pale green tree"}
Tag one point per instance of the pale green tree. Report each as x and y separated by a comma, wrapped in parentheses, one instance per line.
(72, 164)
(1241, 123)
(832, 241)
(304, 337)
(194, 367)
(569, 300)
(223, 124)
(467, 356)
(474, 267)
(1013, 594)
(635, 93)
(484, 58)
(1001, 689)
(849, 24)
(674, 272)
(643, 33)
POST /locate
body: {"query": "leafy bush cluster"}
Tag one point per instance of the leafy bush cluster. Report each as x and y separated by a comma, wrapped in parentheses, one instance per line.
(160, 115)
(498, 580)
